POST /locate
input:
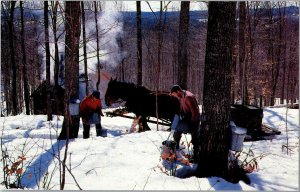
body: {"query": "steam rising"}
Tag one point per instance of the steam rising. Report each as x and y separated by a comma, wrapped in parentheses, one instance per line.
(110, 26)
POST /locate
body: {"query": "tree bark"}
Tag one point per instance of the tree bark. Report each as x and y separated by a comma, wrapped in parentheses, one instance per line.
(242, 27)
(139, 43)
(122, 63)
(214, 133)
(15, 110)
(25, 79)
(54, 6)
(97, 37)
(84, 49)
(46, 22)
(183, 44)
(72, 25)
(270, 55)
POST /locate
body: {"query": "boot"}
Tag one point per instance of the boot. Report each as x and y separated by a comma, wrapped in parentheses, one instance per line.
(86, 131)
(98, 129)
(177, 137)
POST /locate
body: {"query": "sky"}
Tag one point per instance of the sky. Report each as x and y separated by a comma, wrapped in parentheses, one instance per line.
(133, 161)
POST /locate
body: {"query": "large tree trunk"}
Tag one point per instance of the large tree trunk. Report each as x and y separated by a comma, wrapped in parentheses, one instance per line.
(214, 133)
(54, 6)
(84, 49)
(46, 22)
(98, 49)
(159, 45)
(280, 56)
(270, 56)
(160, 28)
(72, 25)
(15, 110)
(25, 79)
(139, 43)
(242, 28)
(183, 44)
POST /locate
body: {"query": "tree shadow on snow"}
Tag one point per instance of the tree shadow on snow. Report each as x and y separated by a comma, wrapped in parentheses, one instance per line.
(216, 183)
(37, 169)
(281, 118)
(114, 133)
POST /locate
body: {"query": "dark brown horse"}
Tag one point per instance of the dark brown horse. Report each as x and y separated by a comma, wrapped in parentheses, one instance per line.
(142, 102)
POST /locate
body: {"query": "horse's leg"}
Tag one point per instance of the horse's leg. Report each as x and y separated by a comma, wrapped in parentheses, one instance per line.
(134, 123)
(144, 124)
(141, 128)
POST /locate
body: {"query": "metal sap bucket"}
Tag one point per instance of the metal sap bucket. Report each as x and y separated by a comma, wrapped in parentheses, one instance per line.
(74, 107)
(237, 137)
(169, 156)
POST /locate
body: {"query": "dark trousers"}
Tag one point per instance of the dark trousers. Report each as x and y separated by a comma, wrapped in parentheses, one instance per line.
(182, 127)
(177, 137)
(194, 131)
(86, 130)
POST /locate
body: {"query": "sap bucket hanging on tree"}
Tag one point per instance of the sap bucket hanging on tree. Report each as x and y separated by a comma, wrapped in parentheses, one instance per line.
(74, 106)
(238, 135)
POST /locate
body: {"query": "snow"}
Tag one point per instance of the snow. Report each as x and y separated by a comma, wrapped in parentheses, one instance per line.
(132, 161)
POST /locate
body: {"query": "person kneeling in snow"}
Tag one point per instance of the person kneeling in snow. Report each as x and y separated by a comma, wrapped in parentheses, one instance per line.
(189, 119)
(90, 111)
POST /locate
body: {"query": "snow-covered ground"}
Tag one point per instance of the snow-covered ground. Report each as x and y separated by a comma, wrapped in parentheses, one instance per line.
(132, 161)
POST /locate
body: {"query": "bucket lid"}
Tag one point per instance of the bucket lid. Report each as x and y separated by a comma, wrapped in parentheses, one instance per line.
(239, 130)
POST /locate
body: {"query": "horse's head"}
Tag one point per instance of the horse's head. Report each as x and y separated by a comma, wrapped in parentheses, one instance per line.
(112, 92)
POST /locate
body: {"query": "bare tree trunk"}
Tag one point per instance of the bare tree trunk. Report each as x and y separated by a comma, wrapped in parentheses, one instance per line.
(46, 22)
(242, 27)
(214, 132)
(84, 48)
(71, 123)
(183, 44)
(281, 59)
(97, 37)
(121, 46)
(15, 110)
(5, 67)
(159, 47)
(72, 24)
(139, 43)
(25, 80)
(271, 51)
(54, 6)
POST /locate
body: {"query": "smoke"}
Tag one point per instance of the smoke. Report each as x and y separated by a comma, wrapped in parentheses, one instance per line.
(41, 39)
(110, 27)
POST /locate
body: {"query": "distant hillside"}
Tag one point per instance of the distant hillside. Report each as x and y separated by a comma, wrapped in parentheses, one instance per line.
(149, 19)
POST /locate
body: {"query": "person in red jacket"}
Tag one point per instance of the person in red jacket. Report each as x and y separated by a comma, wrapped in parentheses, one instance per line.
(90, 112)
(189, 119)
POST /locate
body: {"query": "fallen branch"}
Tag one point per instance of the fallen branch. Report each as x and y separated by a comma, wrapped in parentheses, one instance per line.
(129, 117)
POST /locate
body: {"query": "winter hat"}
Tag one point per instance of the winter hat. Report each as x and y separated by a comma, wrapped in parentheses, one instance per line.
(96, 94)
(176, 88)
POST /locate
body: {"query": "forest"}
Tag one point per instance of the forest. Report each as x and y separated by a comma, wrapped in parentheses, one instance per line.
(54, 53)
(265, 54)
